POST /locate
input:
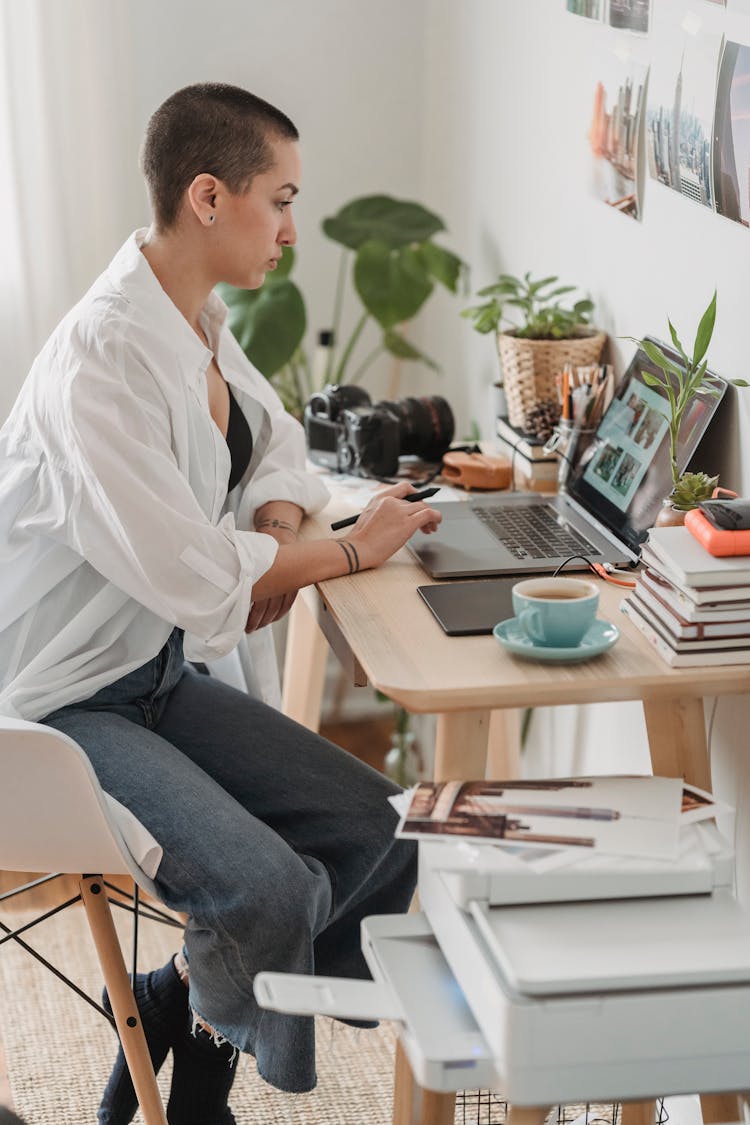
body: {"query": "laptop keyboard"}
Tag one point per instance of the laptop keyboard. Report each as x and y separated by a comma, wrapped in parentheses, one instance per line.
(534, 532)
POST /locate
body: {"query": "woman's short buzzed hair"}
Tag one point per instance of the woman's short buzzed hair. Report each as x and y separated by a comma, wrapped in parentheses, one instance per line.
(214, 128)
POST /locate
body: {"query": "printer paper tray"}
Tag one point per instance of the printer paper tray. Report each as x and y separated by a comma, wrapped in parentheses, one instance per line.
(414, 986)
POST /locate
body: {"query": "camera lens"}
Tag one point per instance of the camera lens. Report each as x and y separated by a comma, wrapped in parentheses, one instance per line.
(426, 425)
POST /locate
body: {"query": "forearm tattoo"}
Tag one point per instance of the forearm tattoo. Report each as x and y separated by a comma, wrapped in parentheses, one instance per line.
(351, 554)
(276, 523)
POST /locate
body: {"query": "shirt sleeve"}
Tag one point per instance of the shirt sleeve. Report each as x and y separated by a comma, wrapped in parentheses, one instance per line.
(134, 516)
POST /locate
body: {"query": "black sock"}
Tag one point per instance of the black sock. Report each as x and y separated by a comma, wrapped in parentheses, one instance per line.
(162, 1001)
(201, 1080)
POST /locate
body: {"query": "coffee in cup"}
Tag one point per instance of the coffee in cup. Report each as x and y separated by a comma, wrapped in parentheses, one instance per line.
(555, 612)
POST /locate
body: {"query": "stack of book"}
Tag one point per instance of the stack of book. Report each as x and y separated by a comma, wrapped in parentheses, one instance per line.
(692, 607)
(532, 467)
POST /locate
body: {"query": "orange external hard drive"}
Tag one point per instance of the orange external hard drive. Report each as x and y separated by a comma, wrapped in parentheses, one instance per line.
(717, 541)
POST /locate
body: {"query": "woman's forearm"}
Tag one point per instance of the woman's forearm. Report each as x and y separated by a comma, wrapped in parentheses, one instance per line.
(381, 529)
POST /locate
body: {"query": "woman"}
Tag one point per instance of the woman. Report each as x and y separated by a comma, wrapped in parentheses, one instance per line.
(152, 488)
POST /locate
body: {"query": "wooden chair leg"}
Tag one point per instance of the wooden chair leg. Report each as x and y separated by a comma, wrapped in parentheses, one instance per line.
(414, 1106)
(127, 1017)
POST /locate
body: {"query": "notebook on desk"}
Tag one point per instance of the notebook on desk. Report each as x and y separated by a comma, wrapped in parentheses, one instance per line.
(612, 498)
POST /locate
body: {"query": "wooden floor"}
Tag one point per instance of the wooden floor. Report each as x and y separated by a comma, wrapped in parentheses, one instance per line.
(369, 741)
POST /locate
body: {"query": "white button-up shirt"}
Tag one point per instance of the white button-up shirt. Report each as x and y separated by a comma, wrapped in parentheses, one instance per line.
(115, 524)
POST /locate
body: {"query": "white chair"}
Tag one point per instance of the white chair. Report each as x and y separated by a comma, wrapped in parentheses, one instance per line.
(55, 818)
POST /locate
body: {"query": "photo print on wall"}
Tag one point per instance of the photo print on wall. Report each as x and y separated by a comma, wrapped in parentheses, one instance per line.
(619, 99)
(680, 118)
(731, 157)
(591, 9)
(630, 15)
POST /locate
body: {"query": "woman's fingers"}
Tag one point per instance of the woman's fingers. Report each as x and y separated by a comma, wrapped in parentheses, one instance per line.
(266, 611)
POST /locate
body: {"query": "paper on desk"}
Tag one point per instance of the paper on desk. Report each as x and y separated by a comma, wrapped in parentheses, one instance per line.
(635, 816)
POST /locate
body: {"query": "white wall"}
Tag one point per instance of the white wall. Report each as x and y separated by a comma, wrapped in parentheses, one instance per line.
(348, 74)
(508, 92)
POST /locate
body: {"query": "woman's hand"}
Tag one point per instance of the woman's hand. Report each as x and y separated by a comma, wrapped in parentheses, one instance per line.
(387, 523)
(267, 610)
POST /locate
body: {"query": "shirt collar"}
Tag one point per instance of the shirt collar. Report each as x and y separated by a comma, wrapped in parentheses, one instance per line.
(132, 275)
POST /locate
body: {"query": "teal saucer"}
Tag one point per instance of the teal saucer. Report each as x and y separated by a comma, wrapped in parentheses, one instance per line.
(599, 638)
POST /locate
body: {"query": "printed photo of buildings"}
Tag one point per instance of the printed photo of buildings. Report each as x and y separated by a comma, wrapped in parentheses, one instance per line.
(591, 9)
(613, 136)
(630, 15)
(679, 119)
(731, 161)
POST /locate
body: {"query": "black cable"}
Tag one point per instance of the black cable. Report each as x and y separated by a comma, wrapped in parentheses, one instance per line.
(582, 558)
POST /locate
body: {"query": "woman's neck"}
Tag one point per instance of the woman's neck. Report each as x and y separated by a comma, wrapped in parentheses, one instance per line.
(176, 267)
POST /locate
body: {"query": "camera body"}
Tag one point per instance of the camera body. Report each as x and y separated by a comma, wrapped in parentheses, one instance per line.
(345, 432)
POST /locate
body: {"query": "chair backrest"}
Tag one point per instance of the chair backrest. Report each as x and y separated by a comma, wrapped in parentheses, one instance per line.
(53, 813)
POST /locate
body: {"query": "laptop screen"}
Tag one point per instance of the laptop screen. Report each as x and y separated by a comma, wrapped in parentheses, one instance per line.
(625, 473)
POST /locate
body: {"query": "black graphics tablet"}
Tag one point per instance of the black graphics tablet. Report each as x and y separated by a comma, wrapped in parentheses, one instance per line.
(466, 609)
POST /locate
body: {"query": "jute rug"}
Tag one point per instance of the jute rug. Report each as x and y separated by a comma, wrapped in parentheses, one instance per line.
(59, 1051)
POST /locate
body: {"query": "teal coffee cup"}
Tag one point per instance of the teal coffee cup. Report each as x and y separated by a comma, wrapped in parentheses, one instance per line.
(555, 612)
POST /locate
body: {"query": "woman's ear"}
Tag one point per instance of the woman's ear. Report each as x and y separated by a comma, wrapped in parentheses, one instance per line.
(202, 198)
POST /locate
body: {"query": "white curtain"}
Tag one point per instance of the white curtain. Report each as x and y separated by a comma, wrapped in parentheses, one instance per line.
(69, 187)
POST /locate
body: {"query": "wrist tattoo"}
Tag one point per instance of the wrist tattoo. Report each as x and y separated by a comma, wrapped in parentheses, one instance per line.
(351, 554)
(276, 523)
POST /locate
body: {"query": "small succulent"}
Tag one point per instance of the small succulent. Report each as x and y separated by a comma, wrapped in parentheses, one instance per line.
(690, 489)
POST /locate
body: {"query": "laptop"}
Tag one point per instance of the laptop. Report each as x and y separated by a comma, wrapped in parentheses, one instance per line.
(613, 495)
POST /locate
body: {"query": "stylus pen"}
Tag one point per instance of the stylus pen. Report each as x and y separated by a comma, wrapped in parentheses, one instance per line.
(423, 495)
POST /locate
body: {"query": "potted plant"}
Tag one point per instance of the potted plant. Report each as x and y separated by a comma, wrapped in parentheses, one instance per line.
(389, 253)
(680, 384)
(551, 334)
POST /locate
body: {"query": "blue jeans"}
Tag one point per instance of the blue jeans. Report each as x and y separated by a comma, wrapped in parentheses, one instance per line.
(276, 843)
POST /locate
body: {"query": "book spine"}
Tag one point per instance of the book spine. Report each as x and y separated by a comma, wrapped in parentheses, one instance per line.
(665, 651)
(707, 656)
(672, 622)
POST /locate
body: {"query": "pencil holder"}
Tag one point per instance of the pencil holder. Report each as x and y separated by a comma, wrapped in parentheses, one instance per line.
(570, 441)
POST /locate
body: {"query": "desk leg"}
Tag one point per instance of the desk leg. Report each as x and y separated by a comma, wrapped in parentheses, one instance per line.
(504, 745)
(461, 745)
(722, 1107)
(638, 1113)
(677, 739)
(527, 1114)
(304, 666)
(414, 1106)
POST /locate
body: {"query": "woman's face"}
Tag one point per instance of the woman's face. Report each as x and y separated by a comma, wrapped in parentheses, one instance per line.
(253, 228)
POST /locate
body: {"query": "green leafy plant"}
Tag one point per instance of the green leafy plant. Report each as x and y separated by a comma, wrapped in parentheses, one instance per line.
(543, 315)
(680, 385)
(389, 254)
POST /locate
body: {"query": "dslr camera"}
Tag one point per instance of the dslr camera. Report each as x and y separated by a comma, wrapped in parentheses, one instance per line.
(347, 433)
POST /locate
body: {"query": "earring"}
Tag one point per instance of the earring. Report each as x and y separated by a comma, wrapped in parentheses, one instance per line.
(211, 218)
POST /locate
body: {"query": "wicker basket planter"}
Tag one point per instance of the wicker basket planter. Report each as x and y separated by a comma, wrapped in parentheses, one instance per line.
(530, 366)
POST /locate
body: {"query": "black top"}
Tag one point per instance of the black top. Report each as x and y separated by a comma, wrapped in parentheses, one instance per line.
(239, 440)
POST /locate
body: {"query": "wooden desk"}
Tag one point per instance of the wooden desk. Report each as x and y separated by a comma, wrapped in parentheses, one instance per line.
(380, 628)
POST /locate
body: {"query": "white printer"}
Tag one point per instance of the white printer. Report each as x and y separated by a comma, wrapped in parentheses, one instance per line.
(608, 978)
